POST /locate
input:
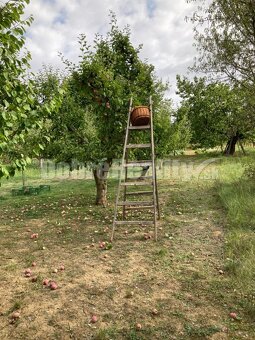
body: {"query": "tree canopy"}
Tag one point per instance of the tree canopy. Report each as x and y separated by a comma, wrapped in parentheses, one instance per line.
(225, 40)
(224, 33)
(217, 112)
(90, 126)
(20, 114)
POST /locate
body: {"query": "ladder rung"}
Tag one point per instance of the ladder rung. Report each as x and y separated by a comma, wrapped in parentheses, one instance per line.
(142, 127)
(135, 222)
(142, 183)
(133, 203)
(133, 146)
(141, 178)
(131, 193)
(138, 163)
(140, 207)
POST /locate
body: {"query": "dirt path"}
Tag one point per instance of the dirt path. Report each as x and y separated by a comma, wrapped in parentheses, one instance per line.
(175, 289)
(207, 295)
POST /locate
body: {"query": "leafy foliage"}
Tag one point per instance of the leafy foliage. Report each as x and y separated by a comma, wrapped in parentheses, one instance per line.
(170, 136)
(225, 40)
(20, 114)
(105, 80)
(92, 120)
(216, 111)
(16, 96)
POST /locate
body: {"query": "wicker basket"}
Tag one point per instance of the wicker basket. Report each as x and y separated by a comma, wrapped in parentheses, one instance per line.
(140, 115)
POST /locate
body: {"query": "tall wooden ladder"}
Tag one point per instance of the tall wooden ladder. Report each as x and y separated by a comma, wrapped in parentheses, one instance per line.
(126, 182)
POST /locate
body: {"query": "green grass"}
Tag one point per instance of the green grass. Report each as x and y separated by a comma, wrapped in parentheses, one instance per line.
(237, 193)
(195, 332)
(178, 276)
(239, 200)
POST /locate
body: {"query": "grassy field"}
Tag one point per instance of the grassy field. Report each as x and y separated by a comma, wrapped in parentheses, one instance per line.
(183, 287)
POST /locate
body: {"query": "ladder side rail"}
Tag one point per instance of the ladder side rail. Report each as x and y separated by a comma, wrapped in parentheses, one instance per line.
(157, 193)
(122, 166)
(125, 188)
(153, 171)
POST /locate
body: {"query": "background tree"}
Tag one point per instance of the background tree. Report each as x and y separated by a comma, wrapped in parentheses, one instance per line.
(225, 40)
(224, 33)
(172, 133)
(217, 113)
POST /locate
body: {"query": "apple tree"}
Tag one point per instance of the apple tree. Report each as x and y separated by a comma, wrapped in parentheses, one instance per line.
(91, 123)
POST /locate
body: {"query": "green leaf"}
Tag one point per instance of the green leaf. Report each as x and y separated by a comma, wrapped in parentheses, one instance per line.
(26, 107)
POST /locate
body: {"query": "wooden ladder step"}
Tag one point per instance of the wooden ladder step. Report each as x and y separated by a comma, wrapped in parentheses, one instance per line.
(140, 207)
(139, 146)
(131, 193)
(140, 183)
(136, 203)
(138, 163)
(142, 127)
(134, 222)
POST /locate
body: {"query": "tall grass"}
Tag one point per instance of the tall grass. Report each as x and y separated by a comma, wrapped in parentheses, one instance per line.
(237, 192)
(239, 200)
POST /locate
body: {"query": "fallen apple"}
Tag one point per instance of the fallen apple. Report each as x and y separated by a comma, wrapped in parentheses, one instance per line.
(155, 311)
(46, 282)
(233, 315)
(147, 236)
(102, 245)
(53, 285)
(15, 315)
(27, 272)
(93, 319)
(138, 326)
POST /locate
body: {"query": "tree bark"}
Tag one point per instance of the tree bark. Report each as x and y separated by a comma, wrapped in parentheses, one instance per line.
(100, 175)
(231, 145)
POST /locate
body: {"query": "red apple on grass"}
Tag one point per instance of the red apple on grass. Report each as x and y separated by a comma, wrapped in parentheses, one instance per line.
(53, 285)
(94, 319)
(233, 315)
(46, 282)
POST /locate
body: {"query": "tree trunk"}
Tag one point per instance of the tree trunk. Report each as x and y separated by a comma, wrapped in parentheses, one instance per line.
(100, 176)
(231, 145)
(145, 169)
(23, 178)
(242, 147)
